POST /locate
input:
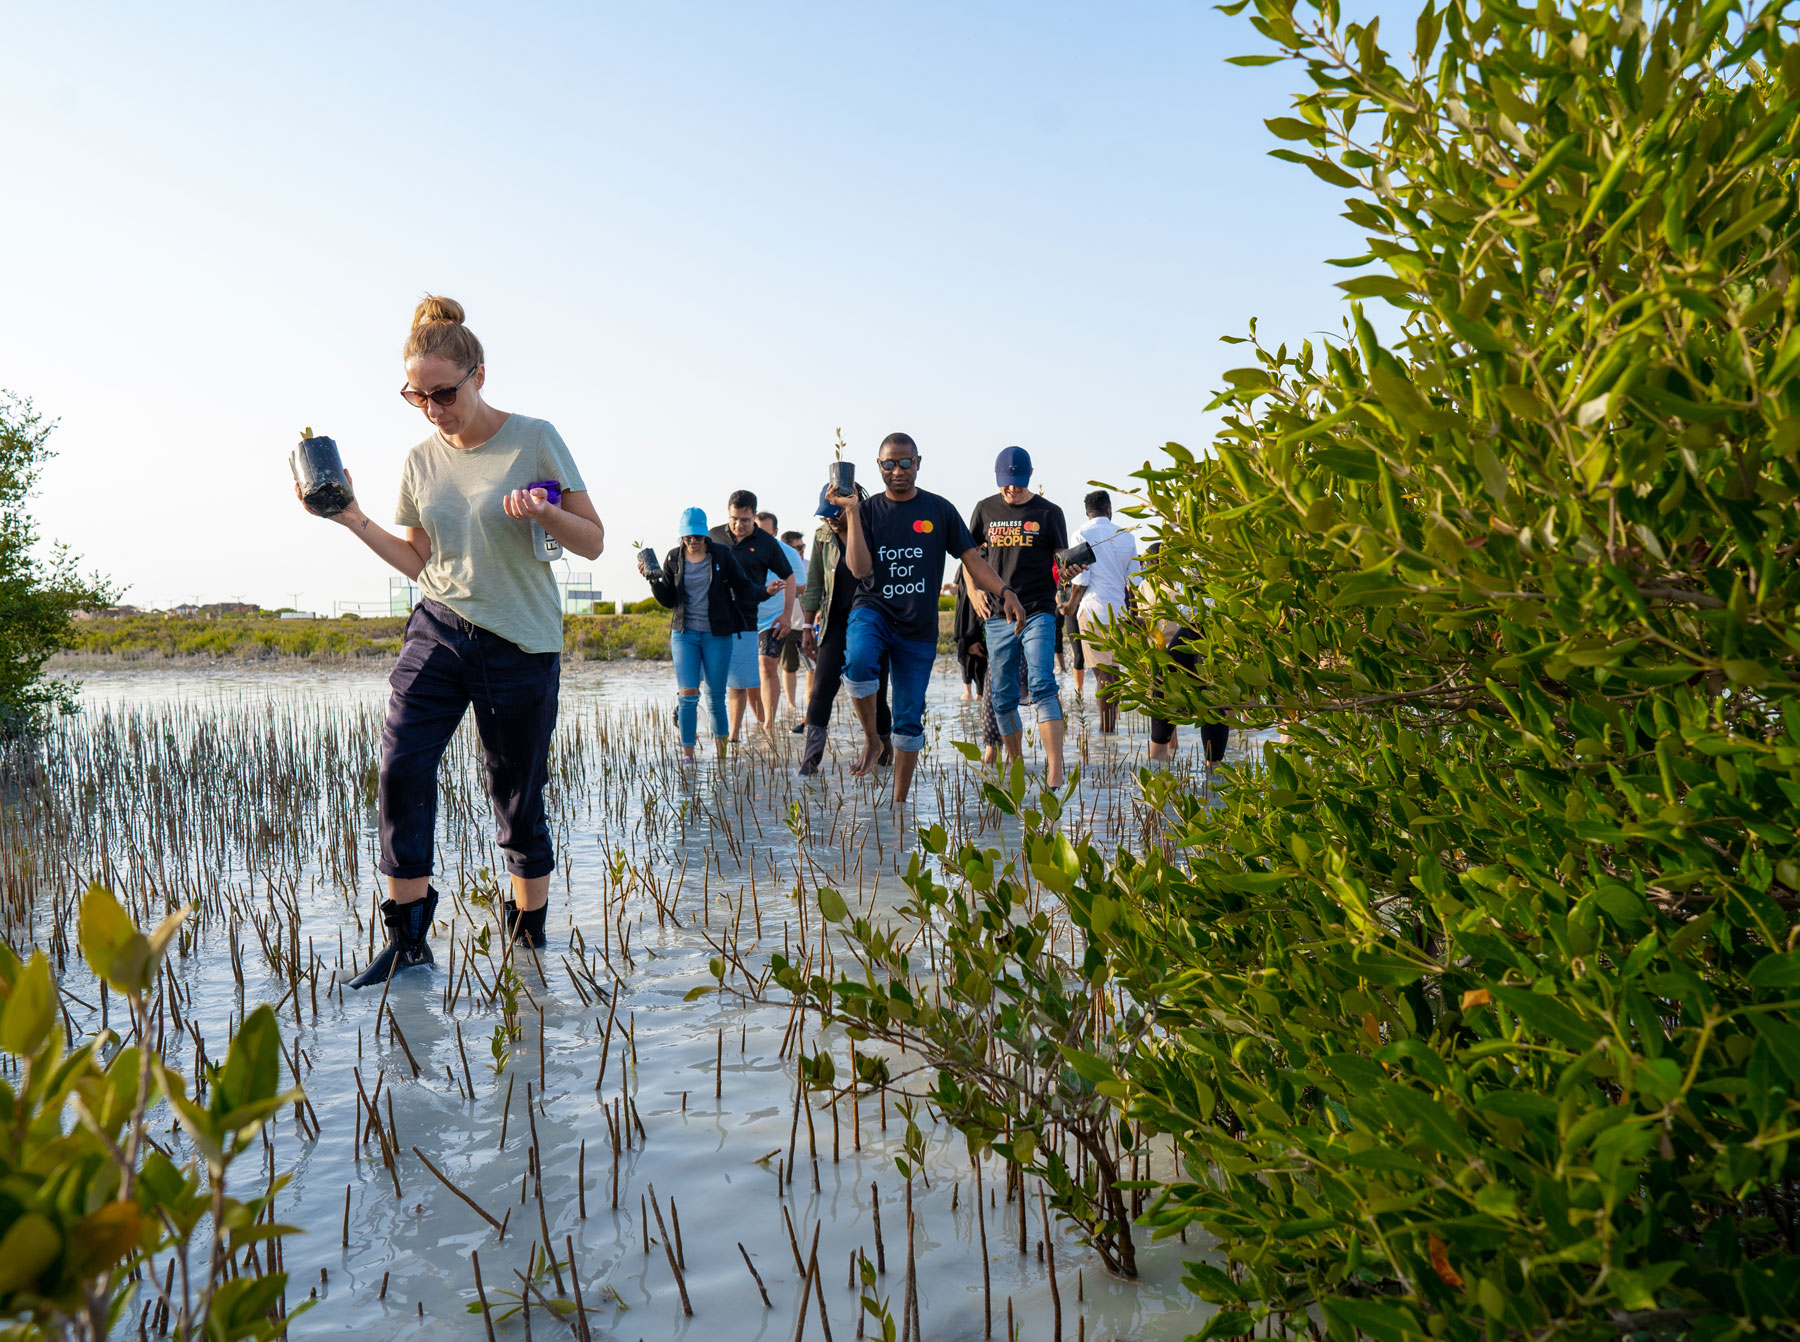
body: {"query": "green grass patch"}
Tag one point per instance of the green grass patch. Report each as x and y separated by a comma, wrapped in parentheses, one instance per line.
(587, 638)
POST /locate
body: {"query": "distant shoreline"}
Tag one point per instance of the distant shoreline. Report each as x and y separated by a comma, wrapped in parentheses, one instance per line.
(154, 642)
(76, 667)
(149, 641)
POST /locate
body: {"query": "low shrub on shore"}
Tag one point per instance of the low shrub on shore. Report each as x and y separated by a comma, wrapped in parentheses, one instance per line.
(138, 637)
(134, 638)
(40, 586)
(589, 638)
(612, 638)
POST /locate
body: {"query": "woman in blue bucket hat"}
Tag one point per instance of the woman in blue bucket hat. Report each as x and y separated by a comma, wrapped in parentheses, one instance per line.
(705, 587)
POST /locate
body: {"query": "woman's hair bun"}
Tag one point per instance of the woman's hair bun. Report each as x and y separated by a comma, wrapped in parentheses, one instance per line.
(436, 308)
(438, 332)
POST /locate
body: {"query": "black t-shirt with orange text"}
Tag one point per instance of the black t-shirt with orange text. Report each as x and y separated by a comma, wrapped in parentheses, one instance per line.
(1021, 541)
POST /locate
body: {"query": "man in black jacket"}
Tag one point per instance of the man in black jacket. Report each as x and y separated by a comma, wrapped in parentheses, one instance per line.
(760, 556)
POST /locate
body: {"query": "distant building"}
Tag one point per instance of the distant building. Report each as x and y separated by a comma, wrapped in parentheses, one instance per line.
(577, 590)
(403, 595)
(579, 595)
(216, 609)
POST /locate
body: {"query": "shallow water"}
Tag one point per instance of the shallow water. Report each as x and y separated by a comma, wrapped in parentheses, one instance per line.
(616, 788)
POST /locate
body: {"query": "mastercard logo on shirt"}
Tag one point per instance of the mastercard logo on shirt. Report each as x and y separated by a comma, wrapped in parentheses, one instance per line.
(921, 525)
(1031, 526)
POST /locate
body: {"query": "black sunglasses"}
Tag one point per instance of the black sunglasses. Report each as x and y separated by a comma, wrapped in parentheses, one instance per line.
(443, 395)
(898, 463)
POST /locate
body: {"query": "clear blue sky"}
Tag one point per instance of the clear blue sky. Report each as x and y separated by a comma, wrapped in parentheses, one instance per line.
(696, 237)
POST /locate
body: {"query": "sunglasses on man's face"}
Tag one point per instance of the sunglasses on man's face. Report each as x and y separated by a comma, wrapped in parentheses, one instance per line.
(898, 464)
(443, 395)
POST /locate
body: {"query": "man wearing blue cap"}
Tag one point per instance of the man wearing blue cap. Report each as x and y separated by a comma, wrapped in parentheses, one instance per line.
(1019, 533)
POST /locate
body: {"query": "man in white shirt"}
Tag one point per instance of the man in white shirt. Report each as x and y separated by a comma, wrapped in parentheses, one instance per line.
(1102, 585)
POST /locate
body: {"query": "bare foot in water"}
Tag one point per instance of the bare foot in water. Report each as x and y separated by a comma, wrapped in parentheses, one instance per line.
(871, 752)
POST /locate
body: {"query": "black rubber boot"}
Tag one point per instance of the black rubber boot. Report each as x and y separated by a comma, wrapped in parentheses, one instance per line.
(525, 926)
(886, 757)
(812, 752)
(408, 930)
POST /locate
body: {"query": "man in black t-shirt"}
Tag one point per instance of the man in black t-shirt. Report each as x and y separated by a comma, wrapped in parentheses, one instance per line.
(760, 556)
(1019, 533)
(896, 544)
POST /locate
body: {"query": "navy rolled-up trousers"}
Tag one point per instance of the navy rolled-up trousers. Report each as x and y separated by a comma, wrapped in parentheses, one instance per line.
(447, 665)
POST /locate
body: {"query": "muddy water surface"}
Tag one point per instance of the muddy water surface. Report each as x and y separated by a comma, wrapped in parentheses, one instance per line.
(249, 791)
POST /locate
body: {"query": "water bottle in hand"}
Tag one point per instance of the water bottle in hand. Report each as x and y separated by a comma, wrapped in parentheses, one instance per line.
(546, 546)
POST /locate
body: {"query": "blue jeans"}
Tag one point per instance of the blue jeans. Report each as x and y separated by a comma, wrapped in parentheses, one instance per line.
(744, 671)
(1037, 645)
(868, 637)
(695, 654)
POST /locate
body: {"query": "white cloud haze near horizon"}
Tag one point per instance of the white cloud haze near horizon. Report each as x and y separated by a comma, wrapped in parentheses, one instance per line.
(695, 237)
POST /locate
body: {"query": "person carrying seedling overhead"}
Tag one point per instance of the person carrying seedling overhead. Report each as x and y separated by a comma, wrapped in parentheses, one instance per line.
(830, 589)
(485, 501)
(896, 543)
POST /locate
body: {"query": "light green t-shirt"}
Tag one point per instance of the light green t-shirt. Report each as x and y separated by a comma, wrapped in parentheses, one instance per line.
(483, 565)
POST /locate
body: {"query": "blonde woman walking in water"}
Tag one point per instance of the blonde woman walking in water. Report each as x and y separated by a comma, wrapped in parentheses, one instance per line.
(488, 633)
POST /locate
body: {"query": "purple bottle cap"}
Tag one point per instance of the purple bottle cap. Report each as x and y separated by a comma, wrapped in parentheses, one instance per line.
(552, 489)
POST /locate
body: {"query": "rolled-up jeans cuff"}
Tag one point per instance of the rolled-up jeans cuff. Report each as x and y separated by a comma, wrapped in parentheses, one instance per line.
(914, 742)
(1049, 709)
(1009, 722)
(861, 689)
